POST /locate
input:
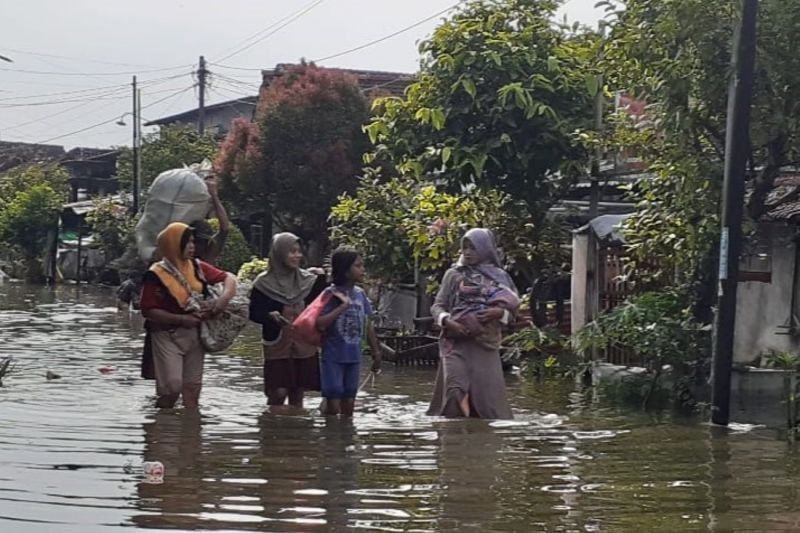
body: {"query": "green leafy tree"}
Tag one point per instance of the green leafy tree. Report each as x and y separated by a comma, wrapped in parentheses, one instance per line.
(171, 147)
(236, 251)
(24, 177)
(112, 227)
(500, 95)
(400, 224)
(676, 56)
(25, 222)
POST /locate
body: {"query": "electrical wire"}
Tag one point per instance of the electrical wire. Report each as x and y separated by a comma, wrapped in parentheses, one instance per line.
(99, 62)
(97, 74)
(259, 32)
(114, 119)
(275, 28)
(142, 83)
(227, 97)
(391, 35)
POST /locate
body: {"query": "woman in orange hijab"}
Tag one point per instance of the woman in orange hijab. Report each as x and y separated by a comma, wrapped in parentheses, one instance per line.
(175, 301)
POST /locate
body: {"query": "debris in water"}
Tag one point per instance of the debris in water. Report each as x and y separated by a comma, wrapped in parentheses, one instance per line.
(106, 369)
(153, 471)
(51, 375)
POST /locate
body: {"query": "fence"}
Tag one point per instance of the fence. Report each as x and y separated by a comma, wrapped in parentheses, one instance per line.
(615, 289)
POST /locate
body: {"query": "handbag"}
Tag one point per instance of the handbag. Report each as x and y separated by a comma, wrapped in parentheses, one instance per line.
(218, 333)
(305, 325)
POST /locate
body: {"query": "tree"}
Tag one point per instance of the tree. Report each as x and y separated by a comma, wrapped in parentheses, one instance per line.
(24, 177)
(309, 123)
(400, 224)
(240, 165)
(26, 220)
(171, 147)
(500, 94)
(112, 227)
(676, 56)
(236, 252)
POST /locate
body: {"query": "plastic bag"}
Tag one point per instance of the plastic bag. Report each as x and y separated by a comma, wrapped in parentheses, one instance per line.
(178, 195)
(305, 325)
(218, 333)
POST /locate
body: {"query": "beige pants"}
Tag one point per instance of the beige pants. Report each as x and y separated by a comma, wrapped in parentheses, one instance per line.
(178, 357)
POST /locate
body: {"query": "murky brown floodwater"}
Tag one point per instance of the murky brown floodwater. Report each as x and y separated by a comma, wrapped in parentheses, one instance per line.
(71, 450)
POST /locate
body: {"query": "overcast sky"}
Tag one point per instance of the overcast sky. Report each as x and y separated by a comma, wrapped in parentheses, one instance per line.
(80, 54)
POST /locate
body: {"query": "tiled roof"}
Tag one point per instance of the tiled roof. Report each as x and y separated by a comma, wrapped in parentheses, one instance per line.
(13, 154)
(783, 200)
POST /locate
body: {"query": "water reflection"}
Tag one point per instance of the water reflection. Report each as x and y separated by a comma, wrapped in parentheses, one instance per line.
(71, 449)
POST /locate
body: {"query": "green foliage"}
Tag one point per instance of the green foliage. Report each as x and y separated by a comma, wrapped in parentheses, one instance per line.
(22, 178)
(171, 147)
(782, 360)
(676, 56)
(400, 222)
(236, 251)
(499, 97)
(112, 227)
(657, 325)
(250, 270)
(542, 352)
(27, 218)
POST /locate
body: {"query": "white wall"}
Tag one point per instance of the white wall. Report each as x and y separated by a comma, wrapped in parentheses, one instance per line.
(763, 307)
(580, 279)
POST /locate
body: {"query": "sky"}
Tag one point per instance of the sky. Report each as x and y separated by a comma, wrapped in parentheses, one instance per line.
(73, 62)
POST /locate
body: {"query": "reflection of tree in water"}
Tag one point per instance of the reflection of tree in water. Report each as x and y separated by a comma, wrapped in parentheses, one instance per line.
(173, 438)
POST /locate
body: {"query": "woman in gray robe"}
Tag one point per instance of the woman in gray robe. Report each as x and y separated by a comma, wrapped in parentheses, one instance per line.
(477, 297)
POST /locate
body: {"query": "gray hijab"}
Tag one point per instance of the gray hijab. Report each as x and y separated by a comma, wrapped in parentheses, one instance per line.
(488, 259)
(282, 283)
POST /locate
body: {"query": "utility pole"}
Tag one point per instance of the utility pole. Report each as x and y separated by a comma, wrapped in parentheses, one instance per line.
(136, 146)
(740, 95)
(599, 100)
(201, 82)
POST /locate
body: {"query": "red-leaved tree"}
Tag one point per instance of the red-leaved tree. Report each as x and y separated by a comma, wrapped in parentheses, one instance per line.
(309, 134)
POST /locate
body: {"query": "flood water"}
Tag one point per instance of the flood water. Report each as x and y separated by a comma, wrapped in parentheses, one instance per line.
(71, 449)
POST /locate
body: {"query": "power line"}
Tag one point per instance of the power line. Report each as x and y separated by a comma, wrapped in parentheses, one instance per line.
(216, 90)
(144, 83)
(98, 74)
(114, 119)
(55, 56)
(67, 110)
(248, 69)
(92, 98)
(278, 26)
(391, 35)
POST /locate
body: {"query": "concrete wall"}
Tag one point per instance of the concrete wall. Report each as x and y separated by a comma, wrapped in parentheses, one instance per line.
(762, 308)
(580, 278)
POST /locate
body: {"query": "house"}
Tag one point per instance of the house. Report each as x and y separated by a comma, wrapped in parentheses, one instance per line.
(92, 170)
(14, 154)
(218, 117)
(768, 296)
(373, 82)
